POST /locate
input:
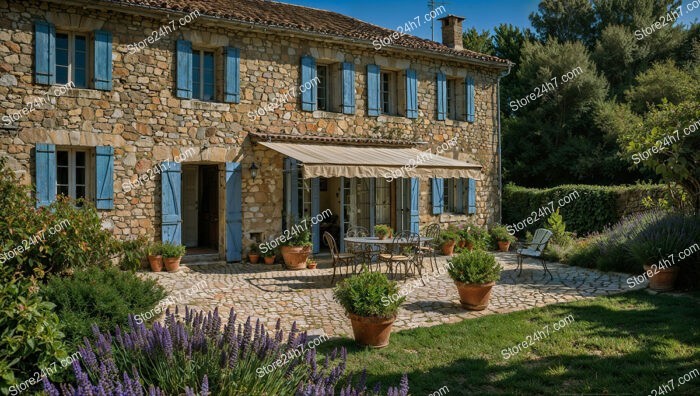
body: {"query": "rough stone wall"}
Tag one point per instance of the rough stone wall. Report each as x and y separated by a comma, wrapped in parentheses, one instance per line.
(147, 124)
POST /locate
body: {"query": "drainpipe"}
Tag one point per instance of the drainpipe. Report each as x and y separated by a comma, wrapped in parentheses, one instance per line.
(500, 141)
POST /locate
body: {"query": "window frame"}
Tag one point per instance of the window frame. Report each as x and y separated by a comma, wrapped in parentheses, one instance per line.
(72, 167)
(450, 194)
(200, 53)
(71, 66)
(388, 105)
(451, 105)
(323, 87)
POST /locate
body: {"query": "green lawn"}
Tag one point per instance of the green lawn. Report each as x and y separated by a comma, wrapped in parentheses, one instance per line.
(626, 344)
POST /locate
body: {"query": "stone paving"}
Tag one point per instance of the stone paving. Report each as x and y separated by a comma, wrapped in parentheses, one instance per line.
(270, 292)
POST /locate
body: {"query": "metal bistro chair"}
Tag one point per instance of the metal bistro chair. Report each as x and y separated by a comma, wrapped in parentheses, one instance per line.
(403, 251)
(536, 249)
(358, 249)
(339, 259)
(431, 247)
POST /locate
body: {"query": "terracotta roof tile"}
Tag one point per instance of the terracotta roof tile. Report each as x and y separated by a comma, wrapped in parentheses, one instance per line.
(312, 20)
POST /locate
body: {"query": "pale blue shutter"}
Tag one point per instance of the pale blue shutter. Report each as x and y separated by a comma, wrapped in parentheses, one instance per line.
(438, 194)
(469, 88)
(234, 211)
(104, 172)
(171, 198)
(441, 96)
(315, 211)
(184, 69)
(373, 90)
(411, 94)
(232, 75)
(44, 53)
(308, 74)
(459, 195)
(472, 196)
(45, 174)
(348, 88)
(372, 204)
(103, 60)
(415, 199)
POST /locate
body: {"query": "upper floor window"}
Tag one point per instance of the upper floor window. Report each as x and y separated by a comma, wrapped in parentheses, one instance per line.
(323, 100)
(451, 99)
(203, 78)
(389, 92)
(72, 59)
(72, 170)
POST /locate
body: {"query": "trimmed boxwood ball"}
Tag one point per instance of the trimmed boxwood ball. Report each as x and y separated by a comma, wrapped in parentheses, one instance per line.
(366, 294)
(474, 267)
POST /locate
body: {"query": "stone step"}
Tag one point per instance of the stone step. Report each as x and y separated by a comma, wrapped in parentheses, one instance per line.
(199, 259)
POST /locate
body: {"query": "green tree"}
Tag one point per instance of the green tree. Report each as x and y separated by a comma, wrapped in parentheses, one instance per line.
(479, 42)
(565, 20)
(664, 81)
(508, 42)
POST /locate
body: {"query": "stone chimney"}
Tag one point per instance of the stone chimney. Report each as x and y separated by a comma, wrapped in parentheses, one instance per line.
(452, 31)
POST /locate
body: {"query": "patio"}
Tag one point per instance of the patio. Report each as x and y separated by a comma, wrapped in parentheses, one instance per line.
(269, 293)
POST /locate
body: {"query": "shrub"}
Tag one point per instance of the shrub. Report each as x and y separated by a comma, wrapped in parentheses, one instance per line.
(154, 249)
(478, 236)
(184, 357)
(500, 233)
(254, 249)
(591, 209)
(450, 234)
(270, 253)
(30, 338)
(168, 250)
(364, 295)
(106, 297)
(661, 239)
(132, 253)
(382, 230)
(475, 267)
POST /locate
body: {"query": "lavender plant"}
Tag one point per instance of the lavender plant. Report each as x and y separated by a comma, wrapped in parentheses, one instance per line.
(192, 356)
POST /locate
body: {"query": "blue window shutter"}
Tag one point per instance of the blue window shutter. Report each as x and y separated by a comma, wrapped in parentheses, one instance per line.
(234, 211)
(472, 196)
(315, 211)
(103, 60)
(438, 194)
(459, 195)
(469, 84)
(411, 94)
(308, 74)
(44, 53)
(45, 174)
(415, 199)
(348, 88)
(171, 199)
(373, 90)
(441, 96)
(104, 171)
(233, 85)
(184, 69)
(372, 204)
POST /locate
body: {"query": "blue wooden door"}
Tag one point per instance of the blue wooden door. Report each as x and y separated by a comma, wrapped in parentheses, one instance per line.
(171, 194)
(234, 214)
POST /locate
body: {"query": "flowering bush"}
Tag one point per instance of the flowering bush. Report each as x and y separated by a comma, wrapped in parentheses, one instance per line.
(194, 357)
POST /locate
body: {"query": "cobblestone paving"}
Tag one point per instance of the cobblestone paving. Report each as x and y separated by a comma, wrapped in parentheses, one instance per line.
(270, 292)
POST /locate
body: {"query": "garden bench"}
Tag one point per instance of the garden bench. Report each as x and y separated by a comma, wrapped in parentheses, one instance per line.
(536, 249)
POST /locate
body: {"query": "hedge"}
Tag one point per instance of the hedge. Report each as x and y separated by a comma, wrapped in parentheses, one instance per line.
(585, 208)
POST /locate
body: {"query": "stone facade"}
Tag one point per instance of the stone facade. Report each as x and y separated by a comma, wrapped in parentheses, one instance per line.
(146, 124)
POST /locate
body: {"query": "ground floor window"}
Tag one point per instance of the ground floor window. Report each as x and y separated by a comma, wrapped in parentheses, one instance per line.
(72, 173)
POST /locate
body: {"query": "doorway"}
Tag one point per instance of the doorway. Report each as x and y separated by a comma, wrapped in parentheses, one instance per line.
(200, 208)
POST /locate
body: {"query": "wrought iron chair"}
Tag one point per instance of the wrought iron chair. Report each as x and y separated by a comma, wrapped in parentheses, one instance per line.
(403, 251)
(536, 249)
(431, 247)
(339, 259)
(364, 252)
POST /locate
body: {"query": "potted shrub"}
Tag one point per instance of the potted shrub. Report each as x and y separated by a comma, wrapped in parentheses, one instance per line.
(253, 253)
(502, 236)
(269, 257)
(311, 263)
(474, 273)
(172, 254)
(467, 238)
(296, 248)
(371, 301)
(448, 239)
(382, 231)
(155, 258)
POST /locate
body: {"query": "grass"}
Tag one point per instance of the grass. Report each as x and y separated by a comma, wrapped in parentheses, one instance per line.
(625, 344)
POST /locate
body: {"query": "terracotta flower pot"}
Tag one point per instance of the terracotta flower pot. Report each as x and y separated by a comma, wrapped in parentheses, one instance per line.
(269, 260)
(662, 279)
(156, 263)
(311, 265)
(474, 297)
(371, 331)
(470, 246)
(503, 246)
(253, 258)
(448, 248)
(295, 256)
(172, 264)
(382, 237)
(462, 243)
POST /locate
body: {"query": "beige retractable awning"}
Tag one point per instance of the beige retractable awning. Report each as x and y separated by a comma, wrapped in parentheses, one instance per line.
(322, 160)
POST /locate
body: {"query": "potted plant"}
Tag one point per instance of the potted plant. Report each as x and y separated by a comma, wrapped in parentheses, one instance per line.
(382, 231)
(448, 239)
(503, 237)
(371, 301)
(467, 238)
(474, 273)
(155, 258)
(296, 248)
(269, 257)
(311, 263)
(253, 253)
(172, 254)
